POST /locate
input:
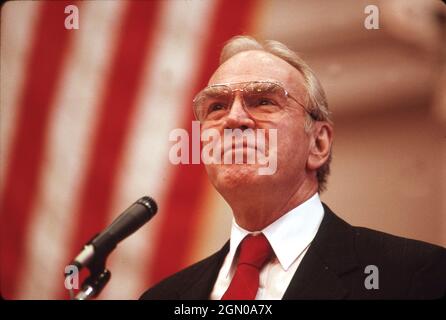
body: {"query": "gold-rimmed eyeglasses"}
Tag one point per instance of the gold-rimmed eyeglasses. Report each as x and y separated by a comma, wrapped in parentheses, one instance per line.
(263, 100)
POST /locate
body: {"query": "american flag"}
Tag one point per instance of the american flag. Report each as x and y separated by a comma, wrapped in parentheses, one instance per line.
(85, 119)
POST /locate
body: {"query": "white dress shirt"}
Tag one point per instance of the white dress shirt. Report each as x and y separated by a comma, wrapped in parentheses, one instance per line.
(289, 236)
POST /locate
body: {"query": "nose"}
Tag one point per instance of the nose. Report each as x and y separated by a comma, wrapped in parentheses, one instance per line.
(238, 117)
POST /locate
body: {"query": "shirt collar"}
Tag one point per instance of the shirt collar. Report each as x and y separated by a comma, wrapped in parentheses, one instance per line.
(289, 235)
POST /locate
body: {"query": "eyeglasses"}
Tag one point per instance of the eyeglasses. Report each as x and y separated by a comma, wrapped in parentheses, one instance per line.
(263, 100)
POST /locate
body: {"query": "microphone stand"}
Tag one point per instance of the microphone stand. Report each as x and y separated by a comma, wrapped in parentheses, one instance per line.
(98, 279)
(93, 285)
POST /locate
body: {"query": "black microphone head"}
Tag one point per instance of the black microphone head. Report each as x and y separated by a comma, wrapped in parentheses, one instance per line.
(149, 203)
(133, 218)
(125, 224)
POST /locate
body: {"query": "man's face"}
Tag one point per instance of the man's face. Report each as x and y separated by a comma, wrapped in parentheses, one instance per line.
(292, 147)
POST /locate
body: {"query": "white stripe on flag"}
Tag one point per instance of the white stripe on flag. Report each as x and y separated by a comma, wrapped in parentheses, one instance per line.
(67, 146)
(161, 107)
(17, 30)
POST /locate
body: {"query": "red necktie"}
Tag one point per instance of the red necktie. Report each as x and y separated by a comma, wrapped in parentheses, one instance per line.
(254, 253)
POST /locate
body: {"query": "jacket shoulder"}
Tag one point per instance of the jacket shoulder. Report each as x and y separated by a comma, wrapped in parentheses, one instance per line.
(419, 267)
(405, 268)
(395, 248)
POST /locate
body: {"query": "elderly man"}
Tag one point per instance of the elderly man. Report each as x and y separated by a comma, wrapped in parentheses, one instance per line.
(284, 243)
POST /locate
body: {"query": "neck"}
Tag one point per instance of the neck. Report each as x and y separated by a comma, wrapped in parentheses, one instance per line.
(259, 210)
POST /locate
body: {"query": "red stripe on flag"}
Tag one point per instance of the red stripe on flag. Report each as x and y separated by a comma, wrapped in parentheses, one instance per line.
(48, 51)
(116, 110)
(182, 208)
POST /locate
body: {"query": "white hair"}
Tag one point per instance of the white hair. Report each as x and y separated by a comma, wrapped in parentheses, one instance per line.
(316, 101)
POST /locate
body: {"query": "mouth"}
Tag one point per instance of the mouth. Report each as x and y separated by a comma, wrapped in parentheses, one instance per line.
(244, 146)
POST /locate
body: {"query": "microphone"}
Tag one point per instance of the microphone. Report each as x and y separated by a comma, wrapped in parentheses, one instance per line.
(97, 249)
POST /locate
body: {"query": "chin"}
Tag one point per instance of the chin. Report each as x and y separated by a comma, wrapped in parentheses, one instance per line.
(230, 177)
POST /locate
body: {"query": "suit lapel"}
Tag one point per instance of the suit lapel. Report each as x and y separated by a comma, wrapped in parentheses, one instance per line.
(330, 255)
(313, 280)
(202, 282)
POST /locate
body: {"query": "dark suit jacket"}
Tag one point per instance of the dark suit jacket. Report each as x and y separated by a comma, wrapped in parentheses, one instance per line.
(334, 268)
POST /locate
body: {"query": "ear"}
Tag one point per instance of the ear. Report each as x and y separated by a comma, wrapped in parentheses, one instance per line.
(320, 145)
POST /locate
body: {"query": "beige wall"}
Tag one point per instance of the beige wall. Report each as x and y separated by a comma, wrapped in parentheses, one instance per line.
(388, 173)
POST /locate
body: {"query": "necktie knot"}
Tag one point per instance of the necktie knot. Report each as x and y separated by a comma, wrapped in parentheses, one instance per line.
(254, 251)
